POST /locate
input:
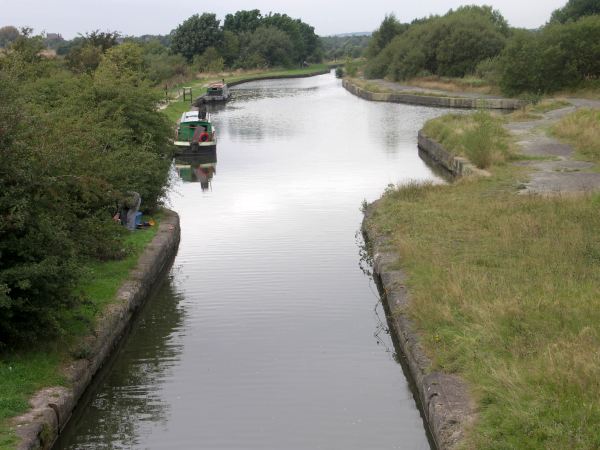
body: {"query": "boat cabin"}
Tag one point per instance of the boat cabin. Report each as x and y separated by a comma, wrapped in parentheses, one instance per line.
(195, 127)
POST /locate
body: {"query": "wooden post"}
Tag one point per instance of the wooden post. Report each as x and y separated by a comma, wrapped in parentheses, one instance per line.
(187, 91)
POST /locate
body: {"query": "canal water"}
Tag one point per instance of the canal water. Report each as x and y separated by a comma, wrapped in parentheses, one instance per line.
(266, 333)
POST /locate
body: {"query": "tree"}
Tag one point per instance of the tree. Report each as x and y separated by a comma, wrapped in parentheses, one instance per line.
(388, 30)
(7, 35)
(243, 21)
(268, 45)
(574, 10)
(196, 34)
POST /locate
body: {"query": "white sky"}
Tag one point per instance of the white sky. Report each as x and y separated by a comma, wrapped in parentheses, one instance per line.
(137, 17)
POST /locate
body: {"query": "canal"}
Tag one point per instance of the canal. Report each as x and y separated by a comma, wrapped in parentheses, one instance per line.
(267, 333)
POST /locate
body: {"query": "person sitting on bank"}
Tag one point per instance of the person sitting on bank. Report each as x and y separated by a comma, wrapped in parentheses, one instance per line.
(129, 206)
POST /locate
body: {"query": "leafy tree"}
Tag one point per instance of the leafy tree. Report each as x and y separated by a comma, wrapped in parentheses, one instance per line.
(557, 57)
(574, 10)
(243, 21)
(8, 34)
(450, 45)
(196, 34)
(27, 46)
(388, 30)
(209, 61)
(127, 57)
(269, 45)
(230, 49)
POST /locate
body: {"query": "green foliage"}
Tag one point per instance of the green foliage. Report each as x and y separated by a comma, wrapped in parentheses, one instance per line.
(268, 44)
(341, 47)
(451, 45)
(351, 67)
(70, 144)
(196, 34)
(559, 56)
(209, 61)
(243, 41)
(480, 137)
(574, 10)
(243, 21)
(388, 30)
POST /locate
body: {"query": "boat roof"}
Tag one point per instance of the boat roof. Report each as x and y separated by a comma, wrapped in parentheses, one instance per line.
(192, 116)
(217, 85)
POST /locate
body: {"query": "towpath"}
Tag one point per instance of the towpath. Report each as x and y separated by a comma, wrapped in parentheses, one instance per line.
(562, 172)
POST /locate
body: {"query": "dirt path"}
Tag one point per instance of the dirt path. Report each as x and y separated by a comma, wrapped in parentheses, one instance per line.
(564, 173)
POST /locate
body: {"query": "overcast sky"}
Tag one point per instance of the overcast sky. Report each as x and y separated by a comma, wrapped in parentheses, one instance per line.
(137, 17)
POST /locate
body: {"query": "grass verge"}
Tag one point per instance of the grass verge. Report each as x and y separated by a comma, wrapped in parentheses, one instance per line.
(581, 129)
(504, 293)
(24, 372)
(178, 106)
(480, 137)
(457, 85)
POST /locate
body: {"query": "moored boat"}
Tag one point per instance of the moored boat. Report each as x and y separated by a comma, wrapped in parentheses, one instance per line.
(195, 132)
(216, 92)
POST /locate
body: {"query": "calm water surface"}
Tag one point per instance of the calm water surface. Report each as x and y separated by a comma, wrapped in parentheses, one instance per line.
(267, 334)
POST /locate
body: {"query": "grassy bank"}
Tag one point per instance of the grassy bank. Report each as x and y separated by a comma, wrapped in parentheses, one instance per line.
(504, 292)
(581, 129)
(22, 373)
(480, 137)
(178, 106)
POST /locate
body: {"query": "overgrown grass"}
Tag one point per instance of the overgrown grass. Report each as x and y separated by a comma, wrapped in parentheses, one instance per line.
(581, 129)
(24, 372)
(504, 291)
(178, 106)
(534, 112)
(457, 85)
(480, 137)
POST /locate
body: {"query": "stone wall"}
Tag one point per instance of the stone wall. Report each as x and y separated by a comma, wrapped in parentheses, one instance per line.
(431, 100)
(52, 407)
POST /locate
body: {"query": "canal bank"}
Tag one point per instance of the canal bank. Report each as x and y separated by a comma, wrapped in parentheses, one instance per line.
(478, 278)
(396, 93)
(52, 407)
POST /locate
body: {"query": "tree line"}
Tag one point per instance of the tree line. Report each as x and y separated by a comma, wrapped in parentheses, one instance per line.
(477, 40)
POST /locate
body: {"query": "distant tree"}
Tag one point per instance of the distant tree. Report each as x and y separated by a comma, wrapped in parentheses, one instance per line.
(450, 45)
(28, 46)
(388, 30)
(269, 46)
(128, 58)
(230, 48)
(209, 61)
(8, 34)
(84, 58)
(574, 10)
(101, 39)
(196, 34)
(243, 21)
(557, 57)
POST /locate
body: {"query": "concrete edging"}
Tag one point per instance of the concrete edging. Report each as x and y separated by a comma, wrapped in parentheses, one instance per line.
(431, 100)
(445, 401)
(51, 408)
(456, 165)
(278, 77)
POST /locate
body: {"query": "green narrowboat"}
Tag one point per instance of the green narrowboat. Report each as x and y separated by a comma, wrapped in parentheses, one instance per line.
(195, 132)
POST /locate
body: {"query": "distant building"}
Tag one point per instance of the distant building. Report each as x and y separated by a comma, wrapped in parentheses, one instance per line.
(54, 37)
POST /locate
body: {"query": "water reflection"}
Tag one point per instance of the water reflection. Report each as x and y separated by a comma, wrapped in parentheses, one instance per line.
(199, 168)
(132, 395)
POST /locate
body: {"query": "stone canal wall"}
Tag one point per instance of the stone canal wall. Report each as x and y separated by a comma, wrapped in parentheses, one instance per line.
(456, 165)
(444, 398)
(52, 407)
(432, 100)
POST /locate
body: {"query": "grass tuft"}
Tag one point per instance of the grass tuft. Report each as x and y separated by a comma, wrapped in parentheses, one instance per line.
(480, 137)
(581, 129)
